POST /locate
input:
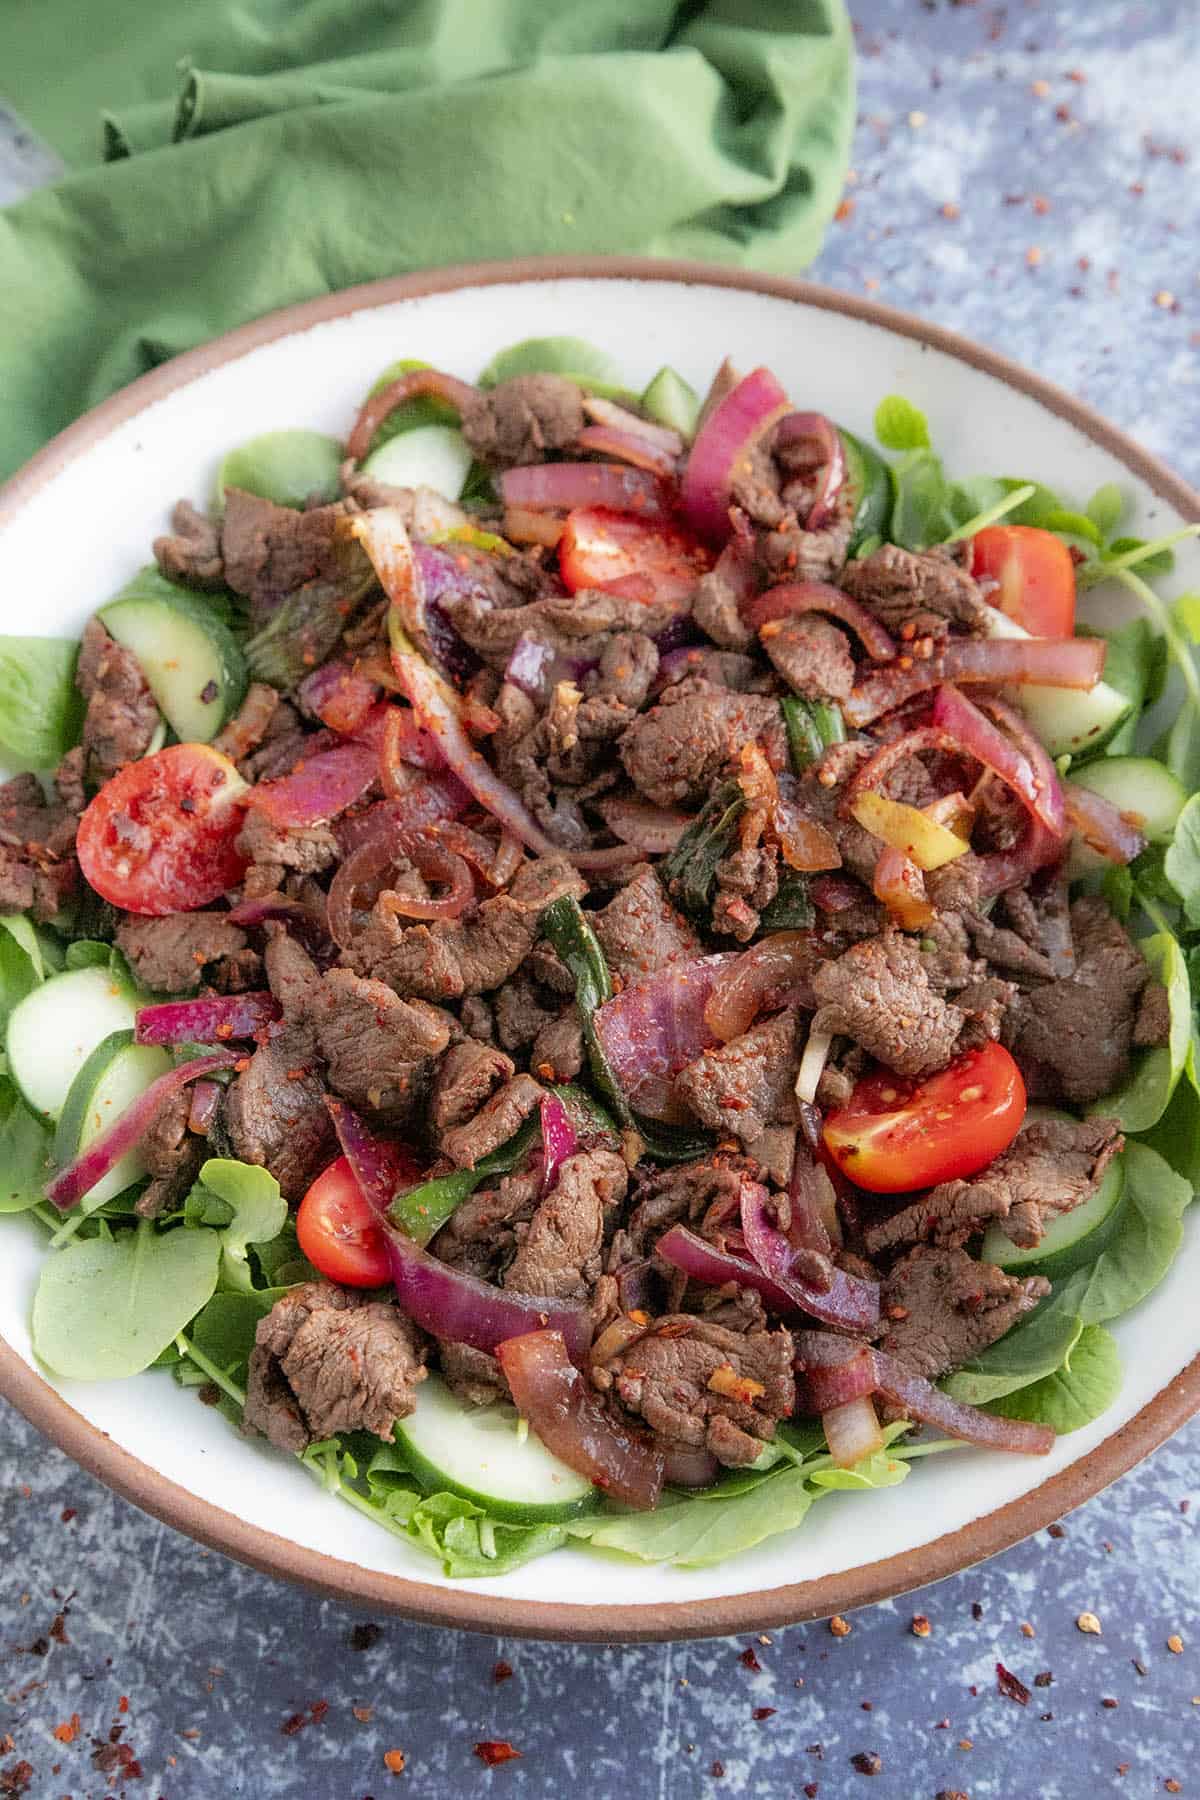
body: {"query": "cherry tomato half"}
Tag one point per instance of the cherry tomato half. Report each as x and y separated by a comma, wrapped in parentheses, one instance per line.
(649, 559)
(1036, 576)
(160, 837)
(338, 1232)
(894, 1135)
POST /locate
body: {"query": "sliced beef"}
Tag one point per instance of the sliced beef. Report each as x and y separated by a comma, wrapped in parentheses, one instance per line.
(378, 1049)
(1007, 950)
(16, 883)
(578, 626)
(879, 994)
(1152, 1028)
(240, 736)
(700, 1384)
(496, 1121)
(716, 611)
(559, 1251)
(684, 1194)
(275, 1111)
(69, 781)
(749, 1083)
(176, 954)
(272, 848)
(916, 593)
(121, 716)
(675, 753)
(792, 553)
(271, 550)
(284, 744)
(520, 419)
(557, 1052)
(467, 1077)
(946, 954)
(812, 655)
(472, 1376)
(956, 886)
(640, 931)
(191, 552)
(480, 1236)
(519, 1012)
(628, 665)
(984, 1002)
(746, 883)
(330, 1359)
(1052, 1167)
(172, 1156)
(1072, 1038)
(942, 1307)
(1041, 914)
(473, 955)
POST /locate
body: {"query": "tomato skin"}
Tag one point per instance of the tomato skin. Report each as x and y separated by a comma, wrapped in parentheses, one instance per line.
(339, 1233)
(648, 560)
(1036, 576)
(894, 1136)
(160, 836)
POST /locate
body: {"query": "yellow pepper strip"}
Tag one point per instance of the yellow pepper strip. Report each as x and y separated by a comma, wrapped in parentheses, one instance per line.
(921, 838)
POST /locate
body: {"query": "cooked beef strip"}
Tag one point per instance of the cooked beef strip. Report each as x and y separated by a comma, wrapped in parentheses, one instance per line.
(558, 1051)
(121, 715)
(172, 1156)
(472, 955)
(480, 1235)
(558, 1252)
(307, 849)
(747, 1084)
(330, 1359)
(191, 552)
(275, 1111)
(747, 882)
(519, 1012)
(697, 1383)
(578, 626)
(379, 1050)
(69, 780)
(1041, 914)
(496, 1121)
(792, 553)
(1007, 950)
(1152, 1027)
(271, 550)
(812, 655)
(715, 610)
(955, 886)
(916, 592)
(942, 1307)
(946, 954)
(675, 753)
(1072, 1038)
(984, 1002)
(467, 1076)
(240, 736)
(1052, 1166)
(628, 665)
(683, 1194)
(16, 883)
(518, 420)
(640, 931)
(177, 953)
(472, 1376)
(879, 994)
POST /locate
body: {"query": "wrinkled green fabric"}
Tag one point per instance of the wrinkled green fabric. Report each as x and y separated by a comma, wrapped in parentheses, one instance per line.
(228, 157)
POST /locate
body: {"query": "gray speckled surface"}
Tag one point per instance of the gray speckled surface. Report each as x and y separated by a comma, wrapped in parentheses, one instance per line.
(1021, 174)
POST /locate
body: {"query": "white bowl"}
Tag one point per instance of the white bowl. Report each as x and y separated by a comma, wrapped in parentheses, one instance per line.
(79, 519)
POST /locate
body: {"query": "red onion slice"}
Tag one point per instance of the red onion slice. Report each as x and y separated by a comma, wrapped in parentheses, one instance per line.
(726, 437)
(212, 1020)
(850, 1304)
(460, 1309)
(380, 406)
(381, 1166)
(1110, 833)
(300, 920)
(764, 1240)
(562, 486)
(852, 1431)
(339, 696)
(559, 1140)
(104, 1152)
(777, 970)
(529, 666)
(435, 704)
(689, 1466)
(829, 456)
(550, 1392)
(654, 829)
(790, 599)
(1053, 662)
(206, 1097)
(652, 1030)
(322, 787)
(1025, 768)
(607, 412)
(605, 440)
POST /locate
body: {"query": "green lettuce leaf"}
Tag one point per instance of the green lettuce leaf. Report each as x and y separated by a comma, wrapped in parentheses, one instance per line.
(1033, 1349)
(1083, 1388)
(1148, 1237)
(259, 1214)
(41, 710)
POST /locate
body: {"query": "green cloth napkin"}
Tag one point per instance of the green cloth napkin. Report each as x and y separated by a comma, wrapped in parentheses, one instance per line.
(228, 157)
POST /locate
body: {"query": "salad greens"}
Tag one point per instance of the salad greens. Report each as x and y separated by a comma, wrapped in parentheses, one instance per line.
(40, 707)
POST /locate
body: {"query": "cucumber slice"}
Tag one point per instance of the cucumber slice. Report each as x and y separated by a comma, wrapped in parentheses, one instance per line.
(480, 1455)
(1070, 1240)
(671, 401)
(432, 456)
(53, 1031)
(1067, 720)
(870, 481)
(284, 466)
(191, 661)
(1140, 788)
(116, 1072)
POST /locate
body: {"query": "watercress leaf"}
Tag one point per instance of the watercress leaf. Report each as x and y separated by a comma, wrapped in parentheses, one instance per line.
(1135, 664)
(921, 513)
(18, 976)
(575, 358)
(1180, 749)
(1142, 1099)
(899, 425)
(1105, 507)
(466, 1541)
(25, 1145)
(977, 495)
(22, 931)
(1116, 885)
(279, 1261)
(1032, 1350)
(1149, 1233)
(304, 628)
(224, 1328)
(1186, 612)
(696, 1533)
(259, 1214)
(1181, 864)
(1176, 1137)
(887, 1468)
(1038, 508)
(1160, 563)
(1071, 524)
(41, 710)
(106, 1307)
(1083, 1388)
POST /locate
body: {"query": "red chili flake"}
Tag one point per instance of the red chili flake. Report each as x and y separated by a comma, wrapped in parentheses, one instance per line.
(502, 1671)
(291, 1726)
(1044, 1679)
(16, 1778)
(1172, 1786)
(920, 1626)
(717, 1771)
(1124, 1768)
(811, 1790)
(393, 1761)
(1110, 1703)
(976, 1610)
(845, 210)
(67, 1514)
(867, 1705)
(867, 1762)
(1185, 1506)
(748, 1660)
(1060, 1531)
(58, 1630)
(495, 1750)
(68, 1731)
(317, 1711)
(1011, 1686)
(763, 1712)
(123, 1704)
(364, 1714)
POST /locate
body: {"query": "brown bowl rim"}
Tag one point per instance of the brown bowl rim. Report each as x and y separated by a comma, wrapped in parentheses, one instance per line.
(791, 1603)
